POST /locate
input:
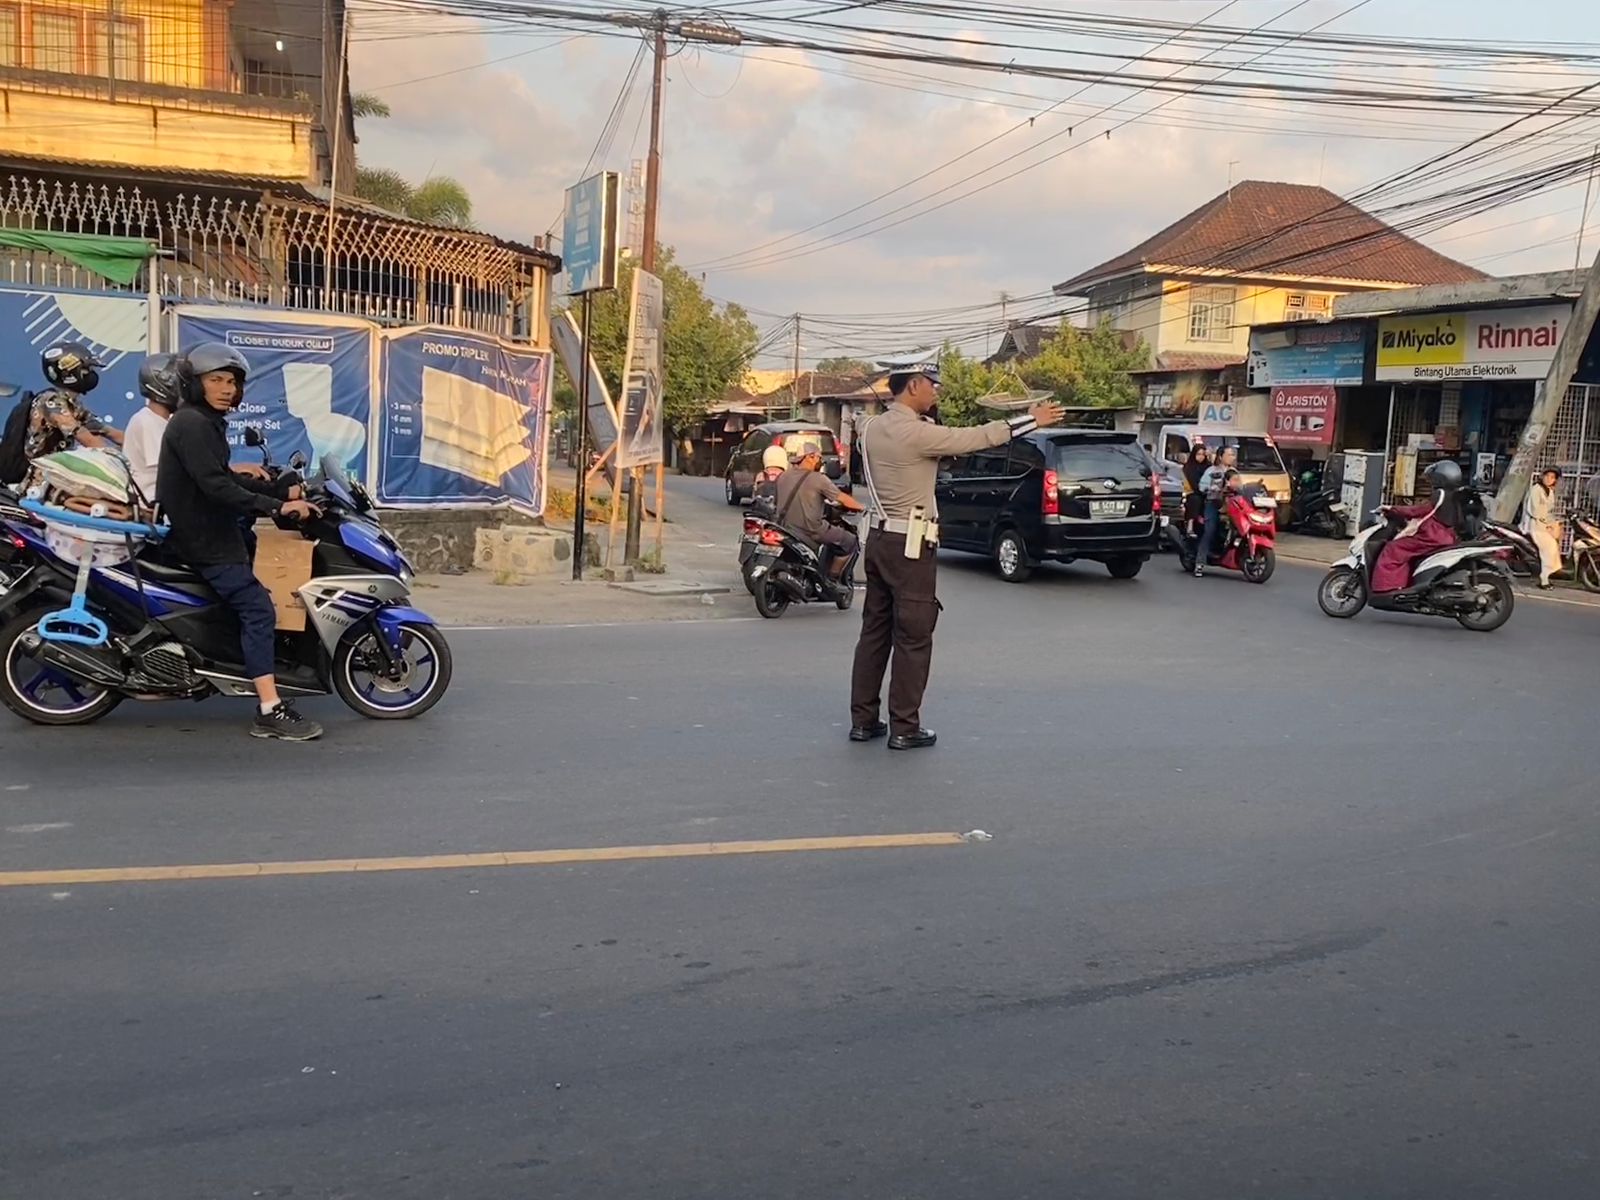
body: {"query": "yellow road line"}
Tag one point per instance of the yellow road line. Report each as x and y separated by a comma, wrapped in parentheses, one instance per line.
(456, 862)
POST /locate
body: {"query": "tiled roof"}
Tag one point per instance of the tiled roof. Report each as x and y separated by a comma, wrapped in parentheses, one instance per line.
(1190, 360)
(1263, 228)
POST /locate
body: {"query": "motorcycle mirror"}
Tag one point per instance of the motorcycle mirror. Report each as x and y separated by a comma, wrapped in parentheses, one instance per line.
(297, 460)
(253, 436)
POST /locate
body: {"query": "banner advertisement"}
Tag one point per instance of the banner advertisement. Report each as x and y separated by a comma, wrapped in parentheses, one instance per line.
(115, 327)
(1492, 343)
(462, 420)
(310, 386)
(1302, 415)
(1335, 354)
(641, 440)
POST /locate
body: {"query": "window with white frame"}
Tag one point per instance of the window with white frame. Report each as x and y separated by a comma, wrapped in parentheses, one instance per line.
(1211, 314)
(1307, 306)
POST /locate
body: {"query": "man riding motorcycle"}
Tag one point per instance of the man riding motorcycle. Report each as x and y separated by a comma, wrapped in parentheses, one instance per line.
(203, 500)
(802, 491)
(1433, 526)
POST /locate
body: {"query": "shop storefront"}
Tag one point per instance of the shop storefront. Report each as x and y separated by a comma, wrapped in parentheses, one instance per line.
(1316, 374)
(1463, 384)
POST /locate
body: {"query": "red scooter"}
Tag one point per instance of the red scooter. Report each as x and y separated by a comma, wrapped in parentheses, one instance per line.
(1245, 542)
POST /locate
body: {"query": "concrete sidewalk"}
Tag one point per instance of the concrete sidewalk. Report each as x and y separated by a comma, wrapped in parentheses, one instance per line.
(1323, 552)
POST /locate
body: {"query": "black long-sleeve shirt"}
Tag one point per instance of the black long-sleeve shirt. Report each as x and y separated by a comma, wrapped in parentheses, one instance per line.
(202, 498)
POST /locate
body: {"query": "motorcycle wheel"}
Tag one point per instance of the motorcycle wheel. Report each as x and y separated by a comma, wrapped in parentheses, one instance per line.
(1589, 572)
(359, 678)
(1498, 611)
(38, 692)
(771, 600)
(1342, 593)
(1259, 568)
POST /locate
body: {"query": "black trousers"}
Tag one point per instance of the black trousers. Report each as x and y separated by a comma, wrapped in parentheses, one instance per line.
(897, 623)
(241, 591)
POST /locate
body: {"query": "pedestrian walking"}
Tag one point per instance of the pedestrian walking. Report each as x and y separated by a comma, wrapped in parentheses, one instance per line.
(1541, 522)
(900, 453)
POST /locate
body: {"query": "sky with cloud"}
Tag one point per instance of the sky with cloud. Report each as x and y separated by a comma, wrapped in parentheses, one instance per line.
(761, 143)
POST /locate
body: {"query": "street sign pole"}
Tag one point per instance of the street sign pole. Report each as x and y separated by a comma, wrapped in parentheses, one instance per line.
(583, 447)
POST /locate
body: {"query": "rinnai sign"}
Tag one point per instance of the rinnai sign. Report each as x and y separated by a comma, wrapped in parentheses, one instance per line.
(1496, 343)
(1302, 415)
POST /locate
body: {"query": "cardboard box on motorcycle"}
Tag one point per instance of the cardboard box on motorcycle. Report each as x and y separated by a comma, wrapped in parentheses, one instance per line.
(283, 564)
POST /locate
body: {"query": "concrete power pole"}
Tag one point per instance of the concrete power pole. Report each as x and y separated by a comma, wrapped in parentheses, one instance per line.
(794, 388)
(647, 254)
(1548, 402)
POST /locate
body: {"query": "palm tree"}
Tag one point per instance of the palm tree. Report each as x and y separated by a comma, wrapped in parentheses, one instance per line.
(437, 200)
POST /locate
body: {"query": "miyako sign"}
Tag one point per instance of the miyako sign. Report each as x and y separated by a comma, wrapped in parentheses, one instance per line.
(1492, 343)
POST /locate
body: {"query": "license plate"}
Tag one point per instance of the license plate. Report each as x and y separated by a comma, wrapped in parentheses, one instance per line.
(1108, 508)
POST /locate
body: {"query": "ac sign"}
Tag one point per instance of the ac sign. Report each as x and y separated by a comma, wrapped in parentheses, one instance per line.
(1216, 412)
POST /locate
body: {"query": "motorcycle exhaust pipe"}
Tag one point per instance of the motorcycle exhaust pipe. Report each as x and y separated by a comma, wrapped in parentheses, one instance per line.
(789, 584)
(78, 661)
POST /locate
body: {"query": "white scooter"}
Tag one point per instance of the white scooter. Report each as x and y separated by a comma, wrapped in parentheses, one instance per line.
(1467, 582)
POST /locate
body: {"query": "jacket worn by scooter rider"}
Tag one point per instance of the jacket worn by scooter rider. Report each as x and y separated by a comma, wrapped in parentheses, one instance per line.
(202, 498)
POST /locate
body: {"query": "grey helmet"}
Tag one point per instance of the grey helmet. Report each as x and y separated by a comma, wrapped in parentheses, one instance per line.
(1446, 475)
(160, 382)
(206, 358)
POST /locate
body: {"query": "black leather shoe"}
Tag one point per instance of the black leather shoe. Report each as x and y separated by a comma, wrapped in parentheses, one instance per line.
(865, 733)
(913, 741)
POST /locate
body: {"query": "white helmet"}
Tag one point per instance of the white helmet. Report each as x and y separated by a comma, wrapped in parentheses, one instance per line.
(774, 458)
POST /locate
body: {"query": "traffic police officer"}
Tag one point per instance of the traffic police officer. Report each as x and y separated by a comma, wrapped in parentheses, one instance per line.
(901, 450)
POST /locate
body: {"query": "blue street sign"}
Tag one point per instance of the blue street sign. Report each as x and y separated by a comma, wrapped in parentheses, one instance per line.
(589, 235)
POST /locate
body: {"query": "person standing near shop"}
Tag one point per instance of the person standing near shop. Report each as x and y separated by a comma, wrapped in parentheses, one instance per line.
(900, 452)
(1542, 522)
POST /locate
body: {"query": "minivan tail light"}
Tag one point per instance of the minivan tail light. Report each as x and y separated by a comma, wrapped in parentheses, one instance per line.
(1052, 494)
(1155, 496)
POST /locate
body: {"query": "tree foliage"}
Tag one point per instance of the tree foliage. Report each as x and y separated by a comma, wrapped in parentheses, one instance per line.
(1078, 367)
(437, 200)
(366, 104)
(844, 366)
(706, 348)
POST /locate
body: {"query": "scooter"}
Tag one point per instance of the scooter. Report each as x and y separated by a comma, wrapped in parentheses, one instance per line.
(1247, 538)
(135, 628)
(1585, 549)
(1318, 510)
(780, 568)
(1468, 582)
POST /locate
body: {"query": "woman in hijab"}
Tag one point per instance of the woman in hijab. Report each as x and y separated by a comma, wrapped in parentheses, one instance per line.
(1193, 468)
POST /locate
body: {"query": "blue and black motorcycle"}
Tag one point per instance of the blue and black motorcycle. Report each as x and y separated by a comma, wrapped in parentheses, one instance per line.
(75, 644)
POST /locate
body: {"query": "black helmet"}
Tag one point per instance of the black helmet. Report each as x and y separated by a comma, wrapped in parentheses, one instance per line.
(1445, 475)
(73, 366)
(159, 380)
(206, 358)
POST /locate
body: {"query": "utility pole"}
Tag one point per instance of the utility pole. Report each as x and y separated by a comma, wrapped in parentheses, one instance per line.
(1548, 402)
(659, 24)
(794, 388)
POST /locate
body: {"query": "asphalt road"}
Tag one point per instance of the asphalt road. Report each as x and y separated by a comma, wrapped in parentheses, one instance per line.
(1275, 906)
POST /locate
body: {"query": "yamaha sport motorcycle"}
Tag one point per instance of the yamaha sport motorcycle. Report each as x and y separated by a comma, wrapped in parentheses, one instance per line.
(164, 635)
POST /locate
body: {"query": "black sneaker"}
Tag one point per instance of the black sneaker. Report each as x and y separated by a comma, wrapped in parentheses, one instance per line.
(286, 724)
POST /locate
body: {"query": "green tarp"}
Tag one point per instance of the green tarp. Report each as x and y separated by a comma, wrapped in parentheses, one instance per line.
(118, 259)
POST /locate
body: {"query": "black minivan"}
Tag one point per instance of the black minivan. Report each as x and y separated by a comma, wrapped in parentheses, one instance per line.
(1054, 495)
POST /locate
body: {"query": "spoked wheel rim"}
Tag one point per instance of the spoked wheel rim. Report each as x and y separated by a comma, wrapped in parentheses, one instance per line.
(1009, 555)
(44, 688)
(367, 672)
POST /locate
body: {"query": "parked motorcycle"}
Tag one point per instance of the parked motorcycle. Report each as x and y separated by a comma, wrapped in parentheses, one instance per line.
(163, 634)
(780, 568)
(1318, 510)
(1468, 582)
(1245, 542)
(1585, 549)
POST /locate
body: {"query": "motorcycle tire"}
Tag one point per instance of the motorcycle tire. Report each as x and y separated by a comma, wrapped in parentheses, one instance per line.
(1497, 615)
(1588, 572)
(1258, 568)
(1355, 586)
(390, 700)
(771, 600)
(14, 696)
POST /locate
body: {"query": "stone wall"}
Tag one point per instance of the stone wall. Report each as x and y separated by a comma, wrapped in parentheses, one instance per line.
(435, 539)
